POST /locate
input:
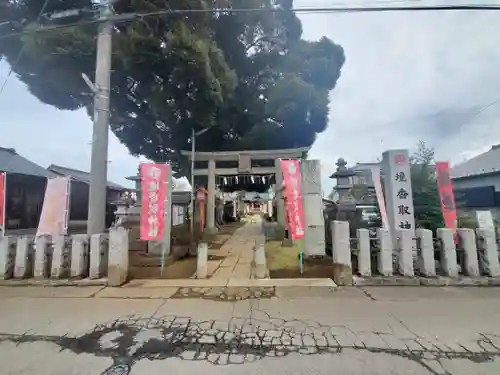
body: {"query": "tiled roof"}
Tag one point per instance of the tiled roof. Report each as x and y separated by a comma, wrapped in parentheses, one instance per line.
(488, 162)
(12, 162)
(79, 175)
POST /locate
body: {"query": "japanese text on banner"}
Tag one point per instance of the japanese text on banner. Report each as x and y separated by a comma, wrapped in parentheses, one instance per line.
(293, 197)
(402, 183)
(446, 196)
(153, 187)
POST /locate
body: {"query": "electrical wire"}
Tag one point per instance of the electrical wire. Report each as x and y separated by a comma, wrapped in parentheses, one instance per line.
(127, 17)
(21, 51)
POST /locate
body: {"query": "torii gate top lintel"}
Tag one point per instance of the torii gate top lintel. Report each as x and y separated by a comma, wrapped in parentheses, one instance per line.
(244, 159)
(286, 153)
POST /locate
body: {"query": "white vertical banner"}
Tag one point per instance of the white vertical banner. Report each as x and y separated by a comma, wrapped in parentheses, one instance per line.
(380, 196)
(55, 210)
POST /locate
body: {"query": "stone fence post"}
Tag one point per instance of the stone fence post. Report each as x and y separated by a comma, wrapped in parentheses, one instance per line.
(202, 261)
(260, 257)
(385, 255)
(427, 265)
(98, 255)
(364, 255)
(23, 266)
(489, 245)
(448, 252)
(405, 256)
(42, 244)
(341, 253)
(118, 261)
(58, 268)
(468, 239)
(7, 257)
(80, 255)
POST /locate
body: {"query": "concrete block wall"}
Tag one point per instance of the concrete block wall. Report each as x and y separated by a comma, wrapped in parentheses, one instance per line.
(75, 257)
(470, 253)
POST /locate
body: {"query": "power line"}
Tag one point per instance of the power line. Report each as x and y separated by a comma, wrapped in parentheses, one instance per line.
(21, 51)
(126, 17)
(473, 115)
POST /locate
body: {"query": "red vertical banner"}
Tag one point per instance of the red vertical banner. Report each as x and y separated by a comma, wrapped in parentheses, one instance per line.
(153, 191)
(293, 197)
(445, 188)
(2, 202)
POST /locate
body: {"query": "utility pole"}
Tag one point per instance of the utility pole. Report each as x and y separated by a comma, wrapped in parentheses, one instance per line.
(99, 158)
(193, 192)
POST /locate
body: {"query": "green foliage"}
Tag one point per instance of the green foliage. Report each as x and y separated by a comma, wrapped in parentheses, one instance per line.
(467, 222)
(426, 200)
(238, 73)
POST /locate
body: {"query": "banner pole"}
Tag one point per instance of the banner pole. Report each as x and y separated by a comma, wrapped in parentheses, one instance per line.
(68, 205)
(301, 257)
(166, 221)
(164, 244)
(3, 227)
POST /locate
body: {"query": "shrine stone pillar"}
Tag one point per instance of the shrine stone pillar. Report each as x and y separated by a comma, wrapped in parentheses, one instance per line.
(210, 220)
(280, 203)
(312, 203)
(398, 192)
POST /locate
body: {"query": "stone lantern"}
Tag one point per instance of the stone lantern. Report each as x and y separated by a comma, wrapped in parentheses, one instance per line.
(346, 204)
(137, 180)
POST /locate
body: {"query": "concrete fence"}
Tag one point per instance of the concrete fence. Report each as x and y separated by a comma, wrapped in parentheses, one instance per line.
(471, 254)
(101, 257)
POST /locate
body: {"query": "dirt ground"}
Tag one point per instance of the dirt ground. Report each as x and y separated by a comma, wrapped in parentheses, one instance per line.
(148, 267)
(284, 263)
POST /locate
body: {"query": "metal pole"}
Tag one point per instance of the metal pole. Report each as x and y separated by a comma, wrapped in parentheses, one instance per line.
(99, 161)
(3, 207)
(193, 149)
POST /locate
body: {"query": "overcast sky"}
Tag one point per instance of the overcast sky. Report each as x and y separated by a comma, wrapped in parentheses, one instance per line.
(407, 76)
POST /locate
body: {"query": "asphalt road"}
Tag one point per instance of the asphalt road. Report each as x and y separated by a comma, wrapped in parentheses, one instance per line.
(352, 331)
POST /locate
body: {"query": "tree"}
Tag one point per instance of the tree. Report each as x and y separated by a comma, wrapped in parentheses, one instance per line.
(426, 201)
(248, 76)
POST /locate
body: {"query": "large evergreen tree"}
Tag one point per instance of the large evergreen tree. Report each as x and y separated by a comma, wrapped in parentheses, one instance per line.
(247, 75)
(426, 199)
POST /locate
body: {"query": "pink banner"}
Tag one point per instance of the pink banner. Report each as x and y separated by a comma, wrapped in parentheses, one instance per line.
(447, 198)
(54, 216)
(380, 197)
(293, 197)
(154, 190)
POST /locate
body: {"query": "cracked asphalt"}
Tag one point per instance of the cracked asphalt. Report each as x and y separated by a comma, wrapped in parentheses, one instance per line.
(385, 330)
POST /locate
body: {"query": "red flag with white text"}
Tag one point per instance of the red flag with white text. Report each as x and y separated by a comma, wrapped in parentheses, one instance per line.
(293, 197)
(153, 190)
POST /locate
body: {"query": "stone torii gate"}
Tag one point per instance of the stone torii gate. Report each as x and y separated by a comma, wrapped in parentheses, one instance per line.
(244, 161)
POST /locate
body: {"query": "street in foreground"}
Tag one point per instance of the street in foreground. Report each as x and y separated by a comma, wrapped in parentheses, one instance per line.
(349, 331)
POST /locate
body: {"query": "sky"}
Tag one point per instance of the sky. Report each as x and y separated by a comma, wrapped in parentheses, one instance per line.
(407, 77)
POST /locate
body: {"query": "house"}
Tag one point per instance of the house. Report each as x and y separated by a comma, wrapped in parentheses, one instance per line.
(360, 177)
(79, 191)
(25, 189)
(363, 174)
(476, 182)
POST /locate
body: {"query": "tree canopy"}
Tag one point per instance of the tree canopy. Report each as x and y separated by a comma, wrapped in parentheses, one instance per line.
(248, 76)
(426, 199)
